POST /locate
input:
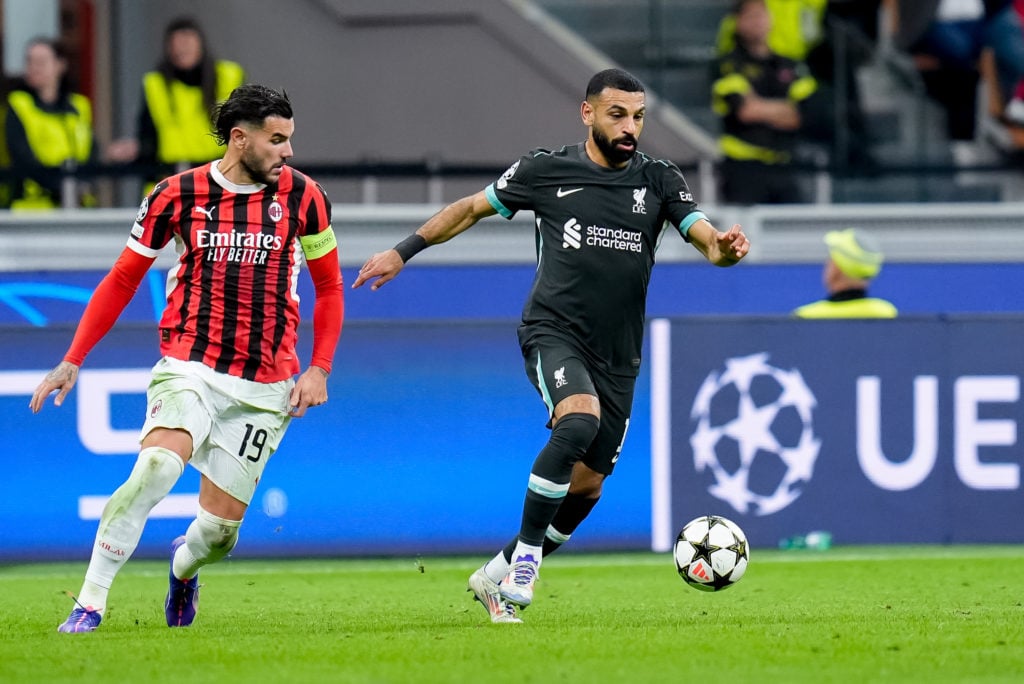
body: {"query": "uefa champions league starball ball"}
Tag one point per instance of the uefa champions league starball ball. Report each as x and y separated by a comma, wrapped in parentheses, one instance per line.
(711, 553)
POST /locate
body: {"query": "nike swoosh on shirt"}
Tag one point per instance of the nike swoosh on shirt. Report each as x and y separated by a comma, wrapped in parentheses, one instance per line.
(563, 193)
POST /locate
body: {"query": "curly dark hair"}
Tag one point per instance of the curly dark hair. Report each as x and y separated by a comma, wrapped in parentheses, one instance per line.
(250, 103)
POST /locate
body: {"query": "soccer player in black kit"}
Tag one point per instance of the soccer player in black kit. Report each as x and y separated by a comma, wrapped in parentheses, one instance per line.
(600, 208)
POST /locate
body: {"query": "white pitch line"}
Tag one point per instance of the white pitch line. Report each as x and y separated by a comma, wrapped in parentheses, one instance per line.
(330, 566)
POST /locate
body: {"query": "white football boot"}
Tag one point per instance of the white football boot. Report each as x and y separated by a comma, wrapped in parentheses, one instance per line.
(517, 587)
(487, 593)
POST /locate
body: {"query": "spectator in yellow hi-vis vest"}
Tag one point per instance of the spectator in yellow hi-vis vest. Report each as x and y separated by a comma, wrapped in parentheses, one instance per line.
(765, 102)
(798, 26)
(178, 97)
(854, 259)
(46, 127)
(809, 32)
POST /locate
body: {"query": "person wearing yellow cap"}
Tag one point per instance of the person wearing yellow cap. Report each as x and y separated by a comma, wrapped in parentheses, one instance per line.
(854, 260)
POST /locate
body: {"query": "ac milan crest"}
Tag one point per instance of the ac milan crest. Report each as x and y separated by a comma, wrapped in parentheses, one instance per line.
(275, 211)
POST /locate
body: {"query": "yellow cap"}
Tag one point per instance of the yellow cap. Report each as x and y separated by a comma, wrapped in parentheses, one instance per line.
(856, 254)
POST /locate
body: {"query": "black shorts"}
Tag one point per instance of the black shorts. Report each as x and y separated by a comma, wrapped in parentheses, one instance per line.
(558, 370)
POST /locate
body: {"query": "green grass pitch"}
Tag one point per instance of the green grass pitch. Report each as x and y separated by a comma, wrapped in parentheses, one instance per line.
(878, 614)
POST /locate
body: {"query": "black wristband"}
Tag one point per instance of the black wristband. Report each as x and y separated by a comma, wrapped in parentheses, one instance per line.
(410, 246)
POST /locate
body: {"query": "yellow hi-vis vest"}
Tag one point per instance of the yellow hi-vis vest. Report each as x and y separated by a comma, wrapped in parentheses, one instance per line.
(5, 160)
(865, 307)
(54, 138)
(796, 28)
(183, 127)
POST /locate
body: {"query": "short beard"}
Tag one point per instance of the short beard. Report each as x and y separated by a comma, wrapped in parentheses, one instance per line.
(255, 174)
(614, 155)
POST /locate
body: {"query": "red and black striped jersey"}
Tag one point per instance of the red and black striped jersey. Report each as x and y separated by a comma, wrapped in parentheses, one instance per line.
(231, 300)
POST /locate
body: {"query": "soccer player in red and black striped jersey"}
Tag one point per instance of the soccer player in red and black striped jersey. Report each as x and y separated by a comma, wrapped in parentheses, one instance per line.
(224, 391)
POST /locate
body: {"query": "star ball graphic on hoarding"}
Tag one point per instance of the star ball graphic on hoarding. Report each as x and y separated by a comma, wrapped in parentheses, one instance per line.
(755, 434)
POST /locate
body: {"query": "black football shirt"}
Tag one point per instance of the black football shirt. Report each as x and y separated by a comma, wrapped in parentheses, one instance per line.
(597, 230)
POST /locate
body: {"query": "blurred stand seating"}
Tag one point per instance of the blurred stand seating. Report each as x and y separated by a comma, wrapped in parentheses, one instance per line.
(671, 43)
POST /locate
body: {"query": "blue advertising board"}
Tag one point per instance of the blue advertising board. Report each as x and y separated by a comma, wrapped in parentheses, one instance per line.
(876, 431)
(424, 447)
(900, 431)
(497, 291)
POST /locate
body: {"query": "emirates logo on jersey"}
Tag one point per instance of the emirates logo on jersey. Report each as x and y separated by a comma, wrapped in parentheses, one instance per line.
(238, 248)
(275, 211)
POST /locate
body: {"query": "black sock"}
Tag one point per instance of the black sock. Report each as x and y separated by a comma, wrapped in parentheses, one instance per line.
(551, 472)
(574, 509)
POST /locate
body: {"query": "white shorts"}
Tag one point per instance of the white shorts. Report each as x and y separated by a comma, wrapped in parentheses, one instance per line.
(236, 424)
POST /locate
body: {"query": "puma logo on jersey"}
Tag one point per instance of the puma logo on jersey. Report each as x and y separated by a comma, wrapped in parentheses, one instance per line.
(565, 193)
(208, 213)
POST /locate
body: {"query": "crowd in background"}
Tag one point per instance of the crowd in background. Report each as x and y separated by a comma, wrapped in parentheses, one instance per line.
(951, 43)
(775, 86)
(776, 82)
(47, 125)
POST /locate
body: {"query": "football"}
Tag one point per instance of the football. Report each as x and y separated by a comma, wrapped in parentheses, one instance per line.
(711, 553)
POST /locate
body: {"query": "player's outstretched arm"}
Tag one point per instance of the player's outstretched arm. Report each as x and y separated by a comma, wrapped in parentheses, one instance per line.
(721, 249)
(61, 379)
(106, 304)
(456, 218)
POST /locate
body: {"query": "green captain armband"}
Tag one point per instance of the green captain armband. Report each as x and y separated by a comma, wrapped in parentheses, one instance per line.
(315, 246)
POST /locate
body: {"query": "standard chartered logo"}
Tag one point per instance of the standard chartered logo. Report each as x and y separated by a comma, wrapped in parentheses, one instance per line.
(615, 238)
(598, 236)
(571, 234)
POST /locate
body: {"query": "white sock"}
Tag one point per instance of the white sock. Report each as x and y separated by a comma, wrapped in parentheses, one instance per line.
(208, 540)
(497, 567)
(524, 550)
(155, 472)
(93, 596)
